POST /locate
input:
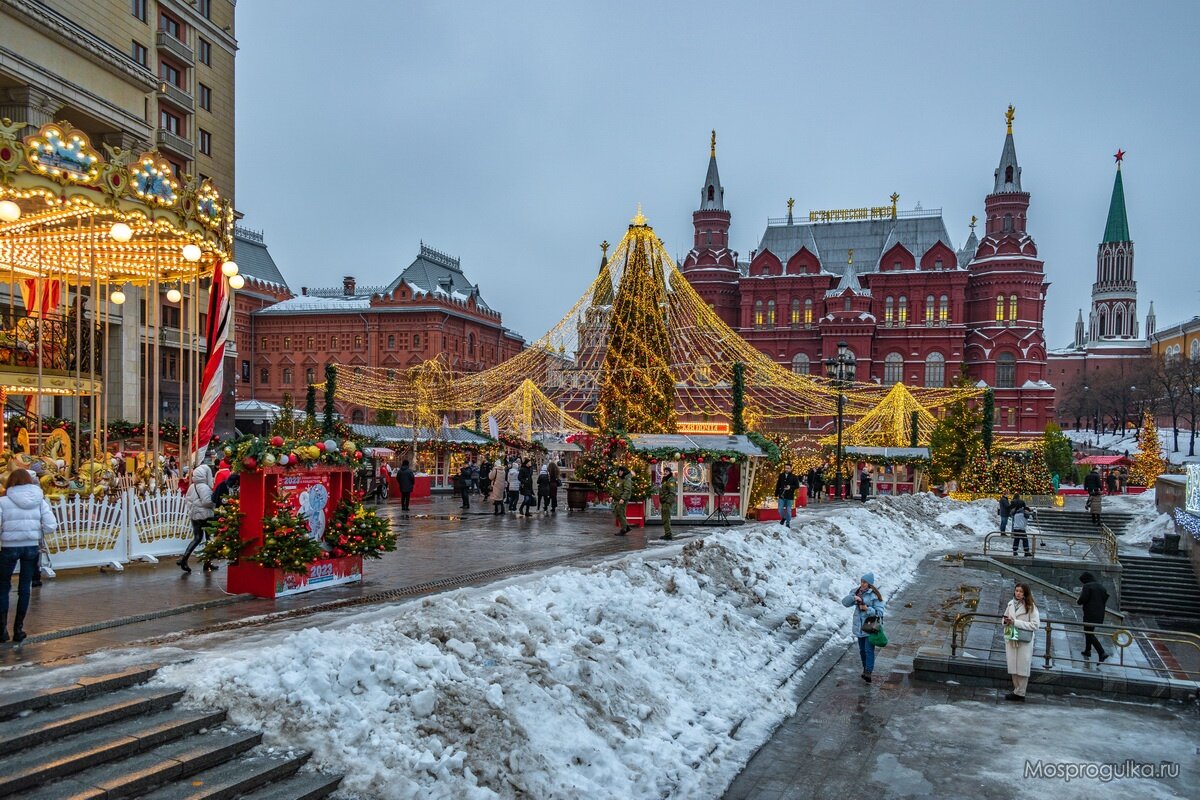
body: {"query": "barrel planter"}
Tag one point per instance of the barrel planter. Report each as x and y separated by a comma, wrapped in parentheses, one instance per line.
(577, 494)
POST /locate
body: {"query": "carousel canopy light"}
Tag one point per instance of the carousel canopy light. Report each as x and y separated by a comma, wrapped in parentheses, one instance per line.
(117, 297)
(174, 295)
(120, 232)
(229, 269)
(9, 211)
(191, 252)
(236, 282)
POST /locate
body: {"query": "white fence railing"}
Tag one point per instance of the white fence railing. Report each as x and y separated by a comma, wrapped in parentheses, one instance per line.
(111, 533)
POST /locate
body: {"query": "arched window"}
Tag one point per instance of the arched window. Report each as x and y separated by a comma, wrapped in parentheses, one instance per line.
(795, 317)
(937, 263)
(708, 235)
(1008, 225)
(1194, 350)
(846, 304)
(887, 311)
(391, 341)
(416, 340)
(935, 370)
(903, 312)
(310, 376)
(1006, 371)
(1012, 308)
(999, 308)
(944, 309)
(356, 416)
(929, 310)
(808, 311)
(893, 369)
(770, 313)
(800, 364)
(287, 377)
(758, 313)
(1103, 322)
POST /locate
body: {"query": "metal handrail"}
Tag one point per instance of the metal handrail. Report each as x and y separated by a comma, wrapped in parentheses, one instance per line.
(1122, 637)
(1105, 536)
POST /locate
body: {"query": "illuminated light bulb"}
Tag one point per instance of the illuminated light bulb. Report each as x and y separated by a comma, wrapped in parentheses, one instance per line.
(236, 282)
(9, 211)
(174, 295)
(229, 269)
(120, 232)
(117, 297)
(191, 252)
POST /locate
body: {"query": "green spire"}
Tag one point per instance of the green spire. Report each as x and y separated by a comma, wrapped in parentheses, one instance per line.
(1117, 229)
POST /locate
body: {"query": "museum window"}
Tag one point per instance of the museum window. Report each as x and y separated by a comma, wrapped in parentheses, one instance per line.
(999, 308)
(333, 343)
(287, 377)
(937, 264)
(800, 364)
(356, 416)
(893, 369)
(758, 313)
(245, 372)
(929, 310)
(264, 376)
(391, 340)
(310, 376)
(808, 305)
(935, 371)
(262, 343)
(795, 317)
(287, 343)
(1012, 309)
(1006, 371)
(416, 341)
(1008, 223)
(887, 311)
(1012, 417)
(358, 342)
(470, 344)
(308, 343)
(846, 304)
(944, 309)
(903, 311)
(770, 313)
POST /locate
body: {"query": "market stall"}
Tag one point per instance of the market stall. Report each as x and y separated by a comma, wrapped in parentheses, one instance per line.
(715, 474)
(439, 452)
(890, 470)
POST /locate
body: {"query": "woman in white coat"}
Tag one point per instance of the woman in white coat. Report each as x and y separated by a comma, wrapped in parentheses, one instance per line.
(25, 517)
(1021, 620)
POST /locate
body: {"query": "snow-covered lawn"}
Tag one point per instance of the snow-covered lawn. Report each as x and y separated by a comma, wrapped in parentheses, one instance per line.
(617, 681)
(1120, 442)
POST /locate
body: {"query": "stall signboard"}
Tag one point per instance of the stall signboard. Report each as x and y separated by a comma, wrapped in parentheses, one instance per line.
(1191, 498)
(695, 505)
(321, 573)
(307, 494)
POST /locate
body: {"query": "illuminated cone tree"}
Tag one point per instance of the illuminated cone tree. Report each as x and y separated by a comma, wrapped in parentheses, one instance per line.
(1148, 464)
(637, 386)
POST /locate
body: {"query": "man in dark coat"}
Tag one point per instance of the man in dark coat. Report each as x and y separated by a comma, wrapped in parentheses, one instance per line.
(1093, 598)
(555, 473)
(785, 492)
(407, 480)
(1111, 481)
(1005, 508)
(1091, 482)
(465, 481)
(864, 486)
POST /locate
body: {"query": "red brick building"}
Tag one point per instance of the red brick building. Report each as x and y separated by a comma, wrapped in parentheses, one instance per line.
(890, 284)
(429, 309)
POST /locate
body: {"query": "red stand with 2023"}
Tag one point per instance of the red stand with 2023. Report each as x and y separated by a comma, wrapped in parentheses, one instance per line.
(314, 492)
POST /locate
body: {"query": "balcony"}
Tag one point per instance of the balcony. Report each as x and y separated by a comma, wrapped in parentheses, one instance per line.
(174, 143)
(176, 49)
(176, 96)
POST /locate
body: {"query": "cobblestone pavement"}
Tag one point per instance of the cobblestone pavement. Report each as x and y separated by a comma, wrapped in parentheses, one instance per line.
(437, 541)
(899, 738)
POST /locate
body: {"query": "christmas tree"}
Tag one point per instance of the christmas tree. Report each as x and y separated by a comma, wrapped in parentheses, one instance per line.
(637, 390)
(1147, 464)
(956, 441)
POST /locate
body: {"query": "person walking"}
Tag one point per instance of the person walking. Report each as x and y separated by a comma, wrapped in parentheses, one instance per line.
(1093, 505)
(525, 478)
(200, 498)
(1005, 510)
(867, 602)
(668, 490)
(1021, 623)
(498, 490)
(1055, 482)
(1093, 597)
(1091, 482)
(543, 488)
(464, 483)
(513, 481)
(1111, 482)
(555, 481)
(621, 498)
(406, 479)
(818, 483)
(785, 494)
(475, 478)
(1122, 480)
(1019, 512)
(25, 518)
(864, 486)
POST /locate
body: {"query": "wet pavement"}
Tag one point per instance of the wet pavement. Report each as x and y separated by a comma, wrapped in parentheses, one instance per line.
(81, 611)
(900, 738)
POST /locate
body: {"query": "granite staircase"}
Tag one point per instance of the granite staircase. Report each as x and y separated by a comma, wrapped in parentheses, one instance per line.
(112, 736)
(1159, 586)
(1056, 521)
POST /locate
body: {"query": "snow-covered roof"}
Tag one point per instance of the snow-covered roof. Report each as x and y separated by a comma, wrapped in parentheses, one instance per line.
(889, 452)
(307, 303)
(401, 434)
(693, 442)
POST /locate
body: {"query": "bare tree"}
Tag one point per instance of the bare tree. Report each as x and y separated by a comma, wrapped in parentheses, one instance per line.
(1171, 386)
(1188, 371)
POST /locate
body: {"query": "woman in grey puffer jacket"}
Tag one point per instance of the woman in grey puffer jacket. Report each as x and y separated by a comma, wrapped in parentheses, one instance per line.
(200, 497)
(25, 517)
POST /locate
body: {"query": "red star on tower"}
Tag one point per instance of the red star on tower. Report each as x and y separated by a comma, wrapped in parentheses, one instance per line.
(1119, 155)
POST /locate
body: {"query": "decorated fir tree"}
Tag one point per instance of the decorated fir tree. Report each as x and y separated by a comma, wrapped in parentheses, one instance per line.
(286, 544)
(356, 530)
(956, 440)
(1148, 464)
(637, 386)
(224, 533)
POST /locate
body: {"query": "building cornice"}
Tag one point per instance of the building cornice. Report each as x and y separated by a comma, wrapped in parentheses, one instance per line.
(60, 28)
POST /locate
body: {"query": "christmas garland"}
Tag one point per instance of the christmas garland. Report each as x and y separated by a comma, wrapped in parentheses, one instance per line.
(517, 443)
(224, 534)
(248, 453)
(125, 429)
(286, 543)
(1189, 522)
(356, 530)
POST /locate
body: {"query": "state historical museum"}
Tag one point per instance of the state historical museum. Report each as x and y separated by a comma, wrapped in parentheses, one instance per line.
(892, 286)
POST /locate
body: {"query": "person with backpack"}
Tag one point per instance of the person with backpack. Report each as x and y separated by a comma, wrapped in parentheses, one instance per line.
(1093, 598)
(513, 480)
(543, 488)
(525, 484)
(25, 518)
(406, 479)
(200, 497)
(869, 608)
(1019, 513)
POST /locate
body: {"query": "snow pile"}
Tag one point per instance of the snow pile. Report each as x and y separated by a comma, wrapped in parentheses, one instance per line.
(1148, 523)
(623, 680)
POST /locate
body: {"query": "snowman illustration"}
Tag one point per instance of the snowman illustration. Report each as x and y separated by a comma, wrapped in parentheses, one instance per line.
(312, 509)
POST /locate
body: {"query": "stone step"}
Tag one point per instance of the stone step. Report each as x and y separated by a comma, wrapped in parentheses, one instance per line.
(93, 712)
(133, 777)
(301, 786)
(14, 704)
(233, 778)
(72, 754)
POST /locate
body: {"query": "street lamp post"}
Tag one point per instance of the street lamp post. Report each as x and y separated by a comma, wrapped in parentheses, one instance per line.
(840, 370)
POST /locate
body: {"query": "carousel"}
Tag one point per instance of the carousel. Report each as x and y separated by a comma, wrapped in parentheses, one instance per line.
(81, 233)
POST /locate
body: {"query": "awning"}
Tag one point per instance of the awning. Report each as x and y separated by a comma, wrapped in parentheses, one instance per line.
(1106, 461)
(691, 443)
(868, 453)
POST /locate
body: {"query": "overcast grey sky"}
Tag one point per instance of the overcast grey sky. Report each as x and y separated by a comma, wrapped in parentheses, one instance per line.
(519, 135)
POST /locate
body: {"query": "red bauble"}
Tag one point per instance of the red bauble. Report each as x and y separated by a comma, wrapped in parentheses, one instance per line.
(358, 454)
(276, 441)
(654, 461)
(320, 446)
(699, 459)
(249, 462)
